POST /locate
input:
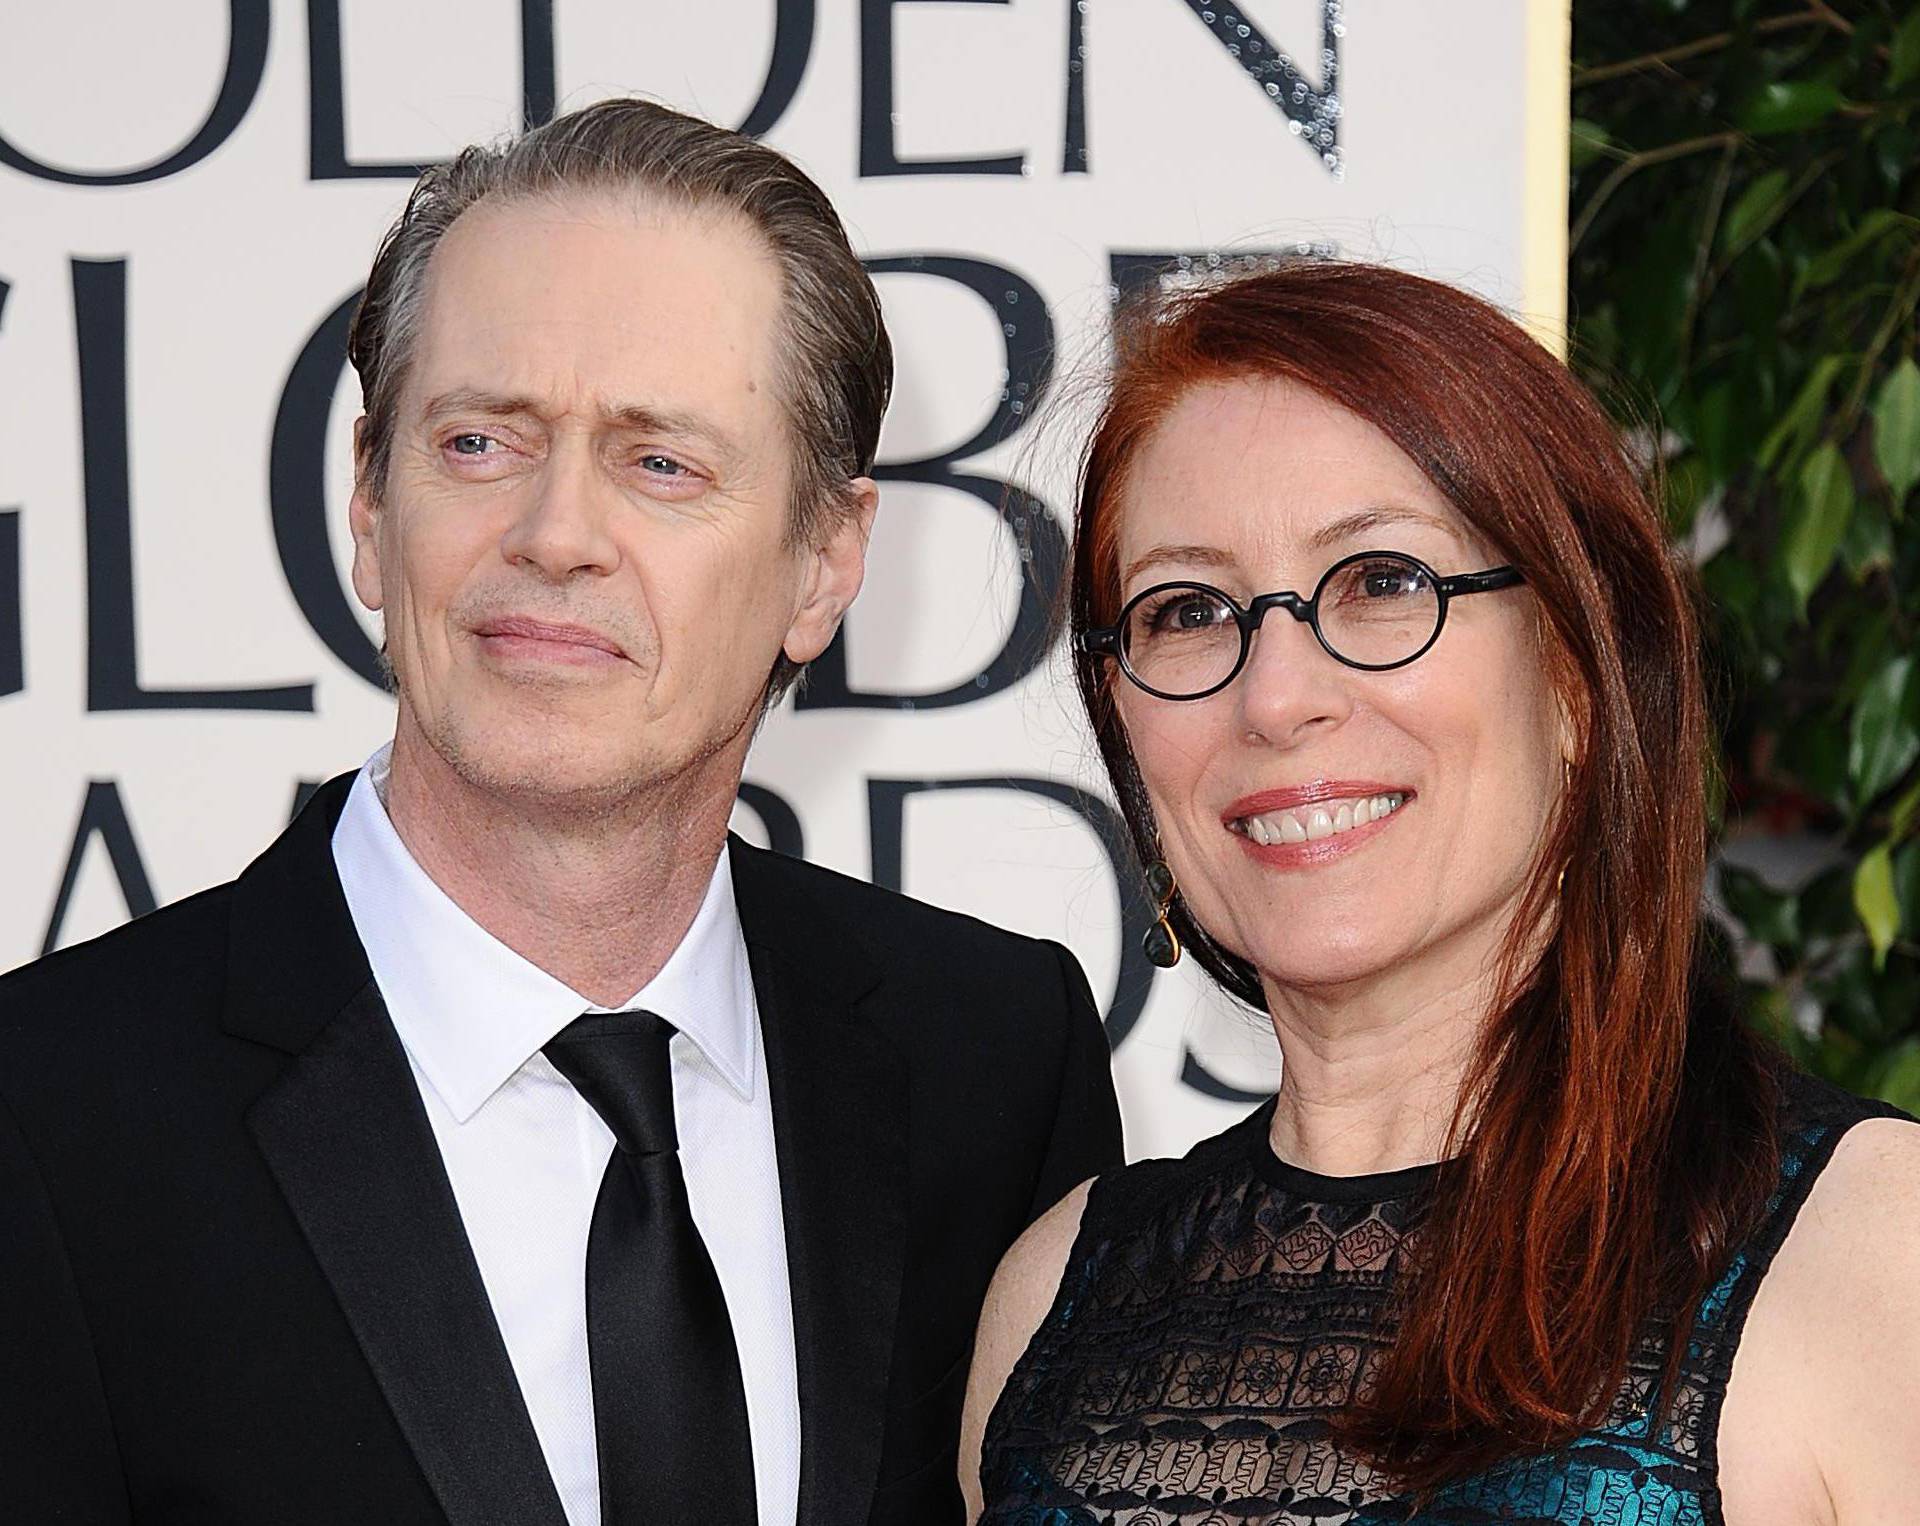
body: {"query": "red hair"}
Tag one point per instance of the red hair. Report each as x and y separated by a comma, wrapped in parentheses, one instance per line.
(1615, 1140)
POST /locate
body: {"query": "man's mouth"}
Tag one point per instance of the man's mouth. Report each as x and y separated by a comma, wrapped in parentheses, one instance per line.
(522, 632)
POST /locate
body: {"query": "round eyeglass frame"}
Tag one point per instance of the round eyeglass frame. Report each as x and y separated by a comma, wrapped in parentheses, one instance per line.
(1106, 641)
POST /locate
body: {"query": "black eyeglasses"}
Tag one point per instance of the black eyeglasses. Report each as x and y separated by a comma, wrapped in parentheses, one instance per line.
(1375, 610)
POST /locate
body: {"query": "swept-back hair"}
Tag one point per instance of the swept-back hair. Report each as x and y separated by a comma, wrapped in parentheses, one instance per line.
(835, 359)
(1615, 1138)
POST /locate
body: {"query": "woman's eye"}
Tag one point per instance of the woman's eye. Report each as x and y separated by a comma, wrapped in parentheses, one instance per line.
(1186, 614)
(1393, 583)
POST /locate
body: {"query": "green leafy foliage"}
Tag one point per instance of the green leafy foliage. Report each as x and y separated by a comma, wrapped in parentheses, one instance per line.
(1745, 270)
(1896, 430)
(1822, 509)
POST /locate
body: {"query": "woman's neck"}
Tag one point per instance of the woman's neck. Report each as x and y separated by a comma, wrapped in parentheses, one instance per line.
(1372, 1073)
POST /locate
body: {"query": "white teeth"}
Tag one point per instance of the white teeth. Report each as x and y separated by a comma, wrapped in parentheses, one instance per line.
(1319, 821)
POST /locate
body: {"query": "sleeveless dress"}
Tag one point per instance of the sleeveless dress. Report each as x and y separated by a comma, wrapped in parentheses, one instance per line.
(1215, 1309)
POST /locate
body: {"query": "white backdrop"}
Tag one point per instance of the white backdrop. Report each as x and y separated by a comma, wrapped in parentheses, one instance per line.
(190, 194)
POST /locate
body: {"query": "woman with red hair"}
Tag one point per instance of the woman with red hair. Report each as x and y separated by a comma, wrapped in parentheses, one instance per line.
(1398, 684)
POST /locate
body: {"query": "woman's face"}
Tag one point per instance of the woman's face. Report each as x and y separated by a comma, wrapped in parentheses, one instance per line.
(1257, 485)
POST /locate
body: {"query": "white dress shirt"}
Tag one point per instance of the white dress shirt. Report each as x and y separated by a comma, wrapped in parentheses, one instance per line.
(525, 1152)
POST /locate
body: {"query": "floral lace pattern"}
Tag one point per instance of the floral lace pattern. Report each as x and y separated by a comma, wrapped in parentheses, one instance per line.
(1217, 1310)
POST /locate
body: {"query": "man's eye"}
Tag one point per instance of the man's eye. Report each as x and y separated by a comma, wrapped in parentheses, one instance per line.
(471, 444)
(664, 466)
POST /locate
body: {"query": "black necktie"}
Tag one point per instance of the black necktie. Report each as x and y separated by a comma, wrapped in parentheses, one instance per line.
(669, 1409)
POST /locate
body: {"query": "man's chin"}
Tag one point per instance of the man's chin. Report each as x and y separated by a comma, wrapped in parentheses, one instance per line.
(548, 762)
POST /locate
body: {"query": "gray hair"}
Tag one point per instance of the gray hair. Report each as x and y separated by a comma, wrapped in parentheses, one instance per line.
(836, 360)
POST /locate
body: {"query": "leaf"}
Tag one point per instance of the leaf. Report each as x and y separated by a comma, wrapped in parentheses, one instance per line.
(1802, 416)
(1867, 547)
(1767, 915)
(1896, 426)
(1879, 907)
(1587, 141)
(1898, 1081)
(1751, 213)
(1905, 61)
(1905, 815)
(1883, 739)
(1831, 263)
(1790, 106)
(1894, 150)
(1819, 520)
(1906, 883)
(1688, 481)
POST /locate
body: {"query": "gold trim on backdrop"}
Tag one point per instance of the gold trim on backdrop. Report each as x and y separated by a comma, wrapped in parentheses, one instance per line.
(1543, 252)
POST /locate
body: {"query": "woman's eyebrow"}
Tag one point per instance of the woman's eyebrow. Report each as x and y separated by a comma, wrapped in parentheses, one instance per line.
(1363, 521)
(1200, 556)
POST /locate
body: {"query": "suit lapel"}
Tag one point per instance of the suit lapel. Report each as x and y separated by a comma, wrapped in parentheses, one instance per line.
(346, 1136)
(839, 1093)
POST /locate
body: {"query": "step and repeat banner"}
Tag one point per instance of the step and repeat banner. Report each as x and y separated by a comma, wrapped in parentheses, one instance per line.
(191, 192)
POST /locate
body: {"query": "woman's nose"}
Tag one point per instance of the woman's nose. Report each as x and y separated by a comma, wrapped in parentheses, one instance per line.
(1290, 686)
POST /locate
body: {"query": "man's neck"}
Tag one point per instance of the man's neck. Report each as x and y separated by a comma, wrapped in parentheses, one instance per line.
(598, 899)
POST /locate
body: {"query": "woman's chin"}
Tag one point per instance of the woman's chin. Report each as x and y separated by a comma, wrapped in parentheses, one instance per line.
(1334, 962)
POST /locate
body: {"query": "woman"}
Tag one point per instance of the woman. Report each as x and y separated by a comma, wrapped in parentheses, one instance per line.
(1398, 687)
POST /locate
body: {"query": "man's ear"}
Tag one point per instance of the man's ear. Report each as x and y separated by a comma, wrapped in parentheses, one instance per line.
(363, 519)
(835, 569)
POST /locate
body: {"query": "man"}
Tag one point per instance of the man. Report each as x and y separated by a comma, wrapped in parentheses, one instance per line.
(506, 1144)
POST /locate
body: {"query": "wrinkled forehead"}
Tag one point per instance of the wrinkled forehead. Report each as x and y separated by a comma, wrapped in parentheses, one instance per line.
(618, 295)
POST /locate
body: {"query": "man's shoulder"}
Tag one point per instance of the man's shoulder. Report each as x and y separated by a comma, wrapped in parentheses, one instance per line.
(895, 926)
(168, 959)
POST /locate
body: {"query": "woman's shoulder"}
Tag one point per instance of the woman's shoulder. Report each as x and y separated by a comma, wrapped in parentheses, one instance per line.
(1027, 1287)
(1861, 1217)
(1136, 1193)
(1829, 1365)
(1849, 1184)
(1115, 1201)
(1809, 1104)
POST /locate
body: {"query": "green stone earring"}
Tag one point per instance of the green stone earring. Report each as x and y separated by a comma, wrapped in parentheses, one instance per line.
(1161, 945)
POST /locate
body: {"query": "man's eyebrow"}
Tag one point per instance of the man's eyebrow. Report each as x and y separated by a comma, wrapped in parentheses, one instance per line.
(669, 421)
(642, 416)
(1378, 516)
(493, 405)
(1193, 556)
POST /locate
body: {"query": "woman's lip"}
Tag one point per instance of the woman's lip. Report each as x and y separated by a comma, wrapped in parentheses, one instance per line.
(1317, 850)
(1316, 793)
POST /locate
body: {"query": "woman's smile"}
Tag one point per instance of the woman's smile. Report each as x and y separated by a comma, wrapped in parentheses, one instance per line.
(1304, 828)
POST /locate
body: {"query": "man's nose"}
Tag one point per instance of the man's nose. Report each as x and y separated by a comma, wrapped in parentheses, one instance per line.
(1291, 686)
(565, 524)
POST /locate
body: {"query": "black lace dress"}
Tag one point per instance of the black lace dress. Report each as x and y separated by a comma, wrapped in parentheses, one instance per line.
(1215, 1309)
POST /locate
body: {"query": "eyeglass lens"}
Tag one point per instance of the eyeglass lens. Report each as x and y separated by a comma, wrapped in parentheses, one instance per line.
(1374, 612)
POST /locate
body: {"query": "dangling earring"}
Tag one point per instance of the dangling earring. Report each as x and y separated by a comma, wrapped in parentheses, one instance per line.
(1161, 945)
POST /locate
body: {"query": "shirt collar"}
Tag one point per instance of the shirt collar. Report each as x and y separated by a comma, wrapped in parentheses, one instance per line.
(471, 1011)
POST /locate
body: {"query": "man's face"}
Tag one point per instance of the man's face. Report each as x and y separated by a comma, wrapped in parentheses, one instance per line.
(582, 547)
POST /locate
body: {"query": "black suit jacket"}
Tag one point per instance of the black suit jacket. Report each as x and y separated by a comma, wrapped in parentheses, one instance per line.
(234, 1283)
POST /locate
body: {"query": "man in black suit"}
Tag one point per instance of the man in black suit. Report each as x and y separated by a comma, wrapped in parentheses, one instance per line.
(507, 1144)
